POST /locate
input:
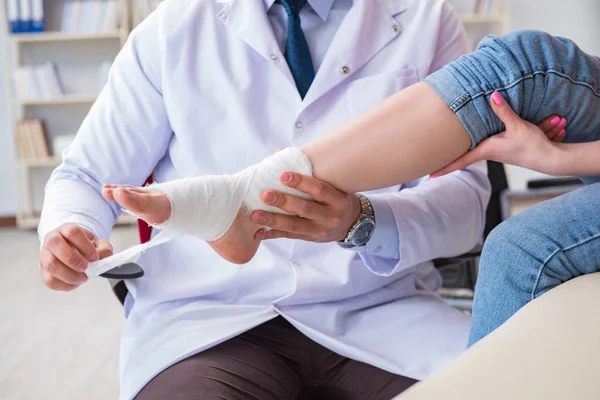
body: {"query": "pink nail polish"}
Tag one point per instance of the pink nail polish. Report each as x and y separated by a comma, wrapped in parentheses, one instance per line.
(286, 177)
(82, 266)
(83, 280)
(95, 257)
(433, 176)
(260, 234)
(498, 99)
(562, 133)
(563, 123)
(554, 121)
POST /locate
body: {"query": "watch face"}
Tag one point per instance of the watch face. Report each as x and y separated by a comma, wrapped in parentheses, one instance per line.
(363, 232)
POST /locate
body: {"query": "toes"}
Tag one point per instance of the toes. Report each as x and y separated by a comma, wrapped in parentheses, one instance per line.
(131, 200)
(152, 207)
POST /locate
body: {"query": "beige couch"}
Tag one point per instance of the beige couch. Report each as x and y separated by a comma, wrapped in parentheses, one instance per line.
(549, 350)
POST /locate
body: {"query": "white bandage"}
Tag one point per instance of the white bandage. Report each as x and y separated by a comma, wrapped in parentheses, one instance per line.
(206, 206)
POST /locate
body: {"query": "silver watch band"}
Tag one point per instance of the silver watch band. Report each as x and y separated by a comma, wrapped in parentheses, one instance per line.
(366, 213)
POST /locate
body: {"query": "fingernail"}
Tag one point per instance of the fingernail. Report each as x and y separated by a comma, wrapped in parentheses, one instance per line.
(286, 177)
(260, 234)
(270, 197)
(554, 121)
(563, 123)
(498, 99)
(260, 218)
(433, 176)
(95, 257)
(83, 280)
(562, 133)
(82, 266)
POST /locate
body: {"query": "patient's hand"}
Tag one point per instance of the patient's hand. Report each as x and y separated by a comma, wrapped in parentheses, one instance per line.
(238, 245)
(522, 143)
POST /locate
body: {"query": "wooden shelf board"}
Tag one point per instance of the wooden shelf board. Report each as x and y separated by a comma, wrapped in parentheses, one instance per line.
(50, 162)
(63, 100)
(62, 36)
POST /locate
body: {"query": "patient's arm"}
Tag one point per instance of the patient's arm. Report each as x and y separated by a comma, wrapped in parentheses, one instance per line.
(409, 135)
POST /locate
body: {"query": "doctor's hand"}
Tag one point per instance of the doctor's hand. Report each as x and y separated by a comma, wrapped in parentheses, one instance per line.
(327, 218)
(522, 143)
(66, 253)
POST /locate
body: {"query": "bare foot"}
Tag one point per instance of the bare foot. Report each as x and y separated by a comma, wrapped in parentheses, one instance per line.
(238, 245)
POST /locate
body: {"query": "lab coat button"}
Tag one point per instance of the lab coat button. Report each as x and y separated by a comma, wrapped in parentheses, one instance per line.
(345, 70)
(223, 15)
(299, 125)
(274, 57)
(395, 28)
(295, 264)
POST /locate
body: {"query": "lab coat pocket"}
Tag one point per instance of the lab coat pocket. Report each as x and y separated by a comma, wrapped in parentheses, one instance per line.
(364, 93)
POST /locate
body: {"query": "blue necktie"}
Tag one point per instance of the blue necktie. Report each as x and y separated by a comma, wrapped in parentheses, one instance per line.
(296, 52)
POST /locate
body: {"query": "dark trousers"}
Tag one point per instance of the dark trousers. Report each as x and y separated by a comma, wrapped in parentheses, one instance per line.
(273, 361)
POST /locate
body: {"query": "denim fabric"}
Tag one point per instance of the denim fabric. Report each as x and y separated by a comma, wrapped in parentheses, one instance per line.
(533, 252)
(538, 74)
(557, 240)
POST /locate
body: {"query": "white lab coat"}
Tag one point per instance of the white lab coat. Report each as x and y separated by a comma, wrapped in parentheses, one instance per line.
(203, 88)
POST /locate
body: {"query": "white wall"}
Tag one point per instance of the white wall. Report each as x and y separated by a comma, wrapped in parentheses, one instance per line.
(577, 19)
(7, 192)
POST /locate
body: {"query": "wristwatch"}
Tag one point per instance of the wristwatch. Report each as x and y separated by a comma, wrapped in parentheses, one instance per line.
(362, 230)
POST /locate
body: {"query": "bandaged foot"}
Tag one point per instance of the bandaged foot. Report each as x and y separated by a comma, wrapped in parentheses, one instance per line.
(214, 208)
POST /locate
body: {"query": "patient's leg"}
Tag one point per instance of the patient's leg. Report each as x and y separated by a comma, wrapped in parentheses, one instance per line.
(532, 253)
(428, 125)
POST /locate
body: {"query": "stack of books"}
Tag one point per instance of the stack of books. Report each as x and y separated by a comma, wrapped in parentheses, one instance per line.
(37, 82)
(30, 140)
(90, 16)
(25, 16)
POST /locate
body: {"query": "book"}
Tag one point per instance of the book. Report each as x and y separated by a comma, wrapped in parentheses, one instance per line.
(12, 13)
(24, 152)
(31, 140)
(37, 82)
(67, 13)
(38, 137)
(25, 15)
(37, 16)
(90, 16)
(111, 16)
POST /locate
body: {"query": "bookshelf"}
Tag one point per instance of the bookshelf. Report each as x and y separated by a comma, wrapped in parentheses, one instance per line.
(70, 108)
(77, 53)
(65, 36)
(482, 17)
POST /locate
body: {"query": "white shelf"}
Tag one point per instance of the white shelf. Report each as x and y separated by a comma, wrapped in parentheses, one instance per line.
(63, 100)
(62, 36)
(481, 19)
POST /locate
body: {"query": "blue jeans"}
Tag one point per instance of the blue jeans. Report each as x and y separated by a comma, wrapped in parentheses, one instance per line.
(537, 250)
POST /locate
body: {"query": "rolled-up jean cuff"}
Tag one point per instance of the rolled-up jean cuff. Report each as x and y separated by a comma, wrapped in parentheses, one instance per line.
(460, 102)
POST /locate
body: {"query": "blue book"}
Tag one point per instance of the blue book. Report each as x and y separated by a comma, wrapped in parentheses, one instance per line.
(25, 15)
(12, 11)
(37, 16)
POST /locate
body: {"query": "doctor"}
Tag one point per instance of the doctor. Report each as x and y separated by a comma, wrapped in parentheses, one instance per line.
(206, 87)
